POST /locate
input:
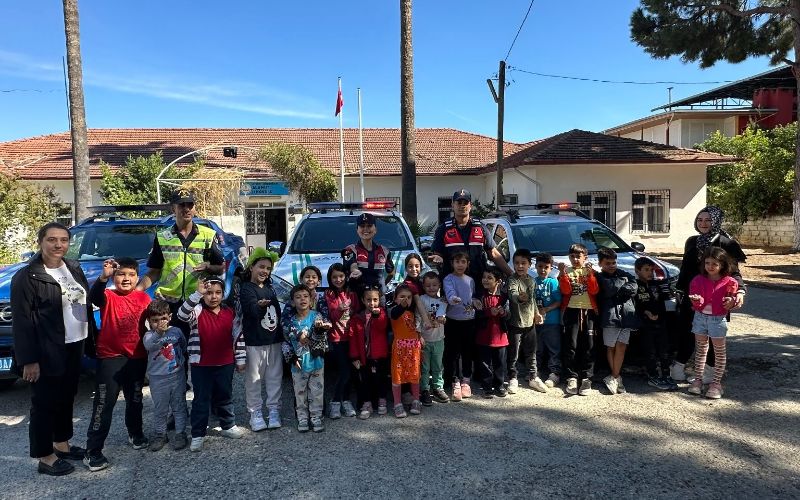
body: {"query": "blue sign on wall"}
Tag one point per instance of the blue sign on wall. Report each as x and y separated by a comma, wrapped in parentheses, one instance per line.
(264, 188)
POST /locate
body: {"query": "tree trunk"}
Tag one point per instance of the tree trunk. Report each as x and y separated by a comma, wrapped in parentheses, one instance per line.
(409, 163)
(77, 112)
(795, 18)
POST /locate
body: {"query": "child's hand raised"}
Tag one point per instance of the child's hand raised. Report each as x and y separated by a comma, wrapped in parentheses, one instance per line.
(109, 266)
(202, 287)
(562, 268)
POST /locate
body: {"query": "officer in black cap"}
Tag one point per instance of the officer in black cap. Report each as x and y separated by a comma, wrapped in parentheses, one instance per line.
(367, 262)
(463, 233)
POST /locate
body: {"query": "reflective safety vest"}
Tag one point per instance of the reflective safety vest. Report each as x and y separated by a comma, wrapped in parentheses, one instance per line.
(454, 243)
(375, 274)
(177, 281)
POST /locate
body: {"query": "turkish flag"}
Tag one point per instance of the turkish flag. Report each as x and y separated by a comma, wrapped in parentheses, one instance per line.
(339, 100)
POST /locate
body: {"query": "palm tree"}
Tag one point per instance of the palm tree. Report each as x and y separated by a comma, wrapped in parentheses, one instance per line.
(77, 112)
(409, 162)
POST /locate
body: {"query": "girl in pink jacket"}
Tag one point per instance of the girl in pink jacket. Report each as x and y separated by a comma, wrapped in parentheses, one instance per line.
(712, 293)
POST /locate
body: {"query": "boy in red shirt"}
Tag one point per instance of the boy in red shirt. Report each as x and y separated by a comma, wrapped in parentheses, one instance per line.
(122, 360)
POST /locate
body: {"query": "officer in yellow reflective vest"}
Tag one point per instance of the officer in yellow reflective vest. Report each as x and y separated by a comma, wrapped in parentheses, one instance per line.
(179, 253)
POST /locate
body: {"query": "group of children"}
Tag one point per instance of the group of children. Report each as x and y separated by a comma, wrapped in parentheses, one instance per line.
(439, 334)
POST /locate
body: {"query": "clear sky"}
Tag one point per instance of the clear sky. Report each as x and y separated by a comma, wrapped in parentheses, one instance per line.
(255, 63)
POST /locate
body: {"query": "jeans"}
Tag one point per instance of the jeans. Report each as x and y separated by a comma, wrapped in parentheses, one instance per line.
(113, 375)
(432, 367)
(655, 343)
(264, 367)
(549, 347)
(373, 383)
(213, 385)
(493, 367)
(524, 340)
(339, 355)
(52, 399)
(459, 349)
(578, 343)
(309, 392)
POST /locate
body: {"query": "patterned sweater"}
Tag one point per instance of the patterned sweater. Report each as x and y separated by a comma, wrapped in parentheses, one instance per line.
(189, 312)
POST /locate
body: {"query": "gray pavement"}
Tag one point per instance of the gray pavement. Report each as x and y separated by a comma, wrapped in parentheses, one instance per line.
(642, 444)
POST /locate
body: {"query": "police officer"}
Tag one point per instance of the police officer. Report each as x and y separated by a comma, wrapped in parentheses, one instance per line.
(367, 262)
(180, 253)
(466, 234)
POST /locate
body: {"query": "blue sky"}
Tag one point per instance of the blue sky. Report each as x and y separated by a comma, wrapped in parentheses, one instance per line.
(181, 63)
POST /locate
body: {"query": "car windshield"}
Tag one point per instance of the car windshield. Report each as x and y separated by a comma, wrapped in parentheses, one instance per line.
(556, 238)
(331, 235)
(106, 241)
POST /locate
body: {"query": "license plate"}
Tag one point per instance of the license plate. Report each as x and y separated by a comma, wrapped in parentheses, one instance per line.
(5, 364)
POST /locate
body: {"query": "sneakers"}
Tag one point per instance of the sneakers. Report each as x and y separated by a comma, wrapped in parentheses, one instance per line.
(59, 468)
(425, 398)
(179, 442)
(302, 425)
(537, 385)
(466, 390)
(138, 442)
(336, 410)
(697, 387)
(197, 444)
(669, 383)
(488, 393)
(552, 380)
(572, 386)
(457, 395)
(383, 408)
(407, 398)
(714, 391)
(233, 432)
(347, 409)
(400, 411)
(611, 384)
(156, 444)
(513, 385)
(440, 396)
(677, 371)
(586, 387)
(416, 407)
(366, 411)
(658, 382)
(257, 421)
(317, 425)
(620, 388)
(274, 419)
(95, 461)
(501, 392)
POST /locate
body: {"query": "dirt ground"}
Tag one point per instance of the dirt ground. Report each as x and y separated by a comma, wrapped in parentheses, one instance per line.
(768, 267)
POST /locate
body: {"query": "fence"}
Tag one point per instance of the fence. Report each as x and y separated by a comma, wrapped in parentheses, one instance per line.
(772, 231)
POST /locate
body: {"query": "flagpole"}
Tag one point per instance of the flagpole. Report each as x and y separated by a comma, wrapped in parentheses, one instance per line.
(360, 148)
(341, 146)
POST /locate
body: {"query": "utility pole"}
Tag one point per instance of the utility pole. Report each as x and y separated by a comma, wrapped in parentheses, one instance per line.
(499, 98)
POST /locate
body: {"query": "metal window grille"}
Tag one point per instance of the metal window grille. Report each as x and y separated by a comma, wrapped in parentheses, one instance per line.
(600, 205)
(650, 211)
(445, 208)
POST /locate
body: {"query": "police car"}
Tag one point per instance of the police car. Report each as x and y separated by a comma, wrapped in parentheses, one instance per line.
(321, 235)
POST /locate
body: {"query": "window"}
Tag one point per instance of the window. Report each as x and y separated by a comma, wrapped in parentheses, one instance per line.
(445, 207)
(332, 234)
(600, 205)
(510, 199)
(64, 214)
(650, 211)
(501, 241)
(395, 199)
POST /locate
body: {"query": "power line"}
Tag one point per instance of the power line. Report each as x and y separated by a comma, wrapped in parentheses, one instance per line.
(626, 82)
(8, 91)
(519, 30)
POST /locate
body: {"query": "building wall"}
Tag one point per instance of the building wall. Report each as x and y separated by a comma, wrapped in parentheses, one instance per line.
(774, 231)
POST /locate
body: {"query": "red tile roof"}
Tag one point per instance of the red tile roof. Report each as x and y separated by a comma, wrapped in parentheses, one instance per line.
(439, 151)
(582, 147)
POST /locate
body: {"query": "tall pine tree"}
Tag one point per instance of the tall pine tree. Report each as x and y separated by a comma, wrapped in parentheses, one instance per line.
(725, 30)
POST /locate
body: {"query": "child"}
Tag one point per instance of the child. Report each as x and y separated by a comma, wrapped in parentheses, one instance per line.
(369, 350)
(649, 302)
(406, 350)
(215, 344)
(491, 335)
(413, 264)
(523, 315)
(432, 382)
(548, 301)
(311, 277)
(711, 294)
(122, 360)
(263, 336)
(459, 331)
(578, 286)
(304, 348)
(166, 348)
(342, 305)
(617, 314)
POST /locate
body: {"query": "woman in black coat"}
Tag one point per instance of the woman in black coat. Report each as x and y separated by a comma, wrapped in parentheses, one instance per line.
(708, 224)
(52, 319)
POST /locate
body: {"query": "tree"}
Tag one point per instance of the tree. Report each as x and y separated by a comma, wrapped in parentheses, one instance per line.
(77, 112)
(25, 207)
(731, 30)
(301, 171)
(408, 160)
(760, 183)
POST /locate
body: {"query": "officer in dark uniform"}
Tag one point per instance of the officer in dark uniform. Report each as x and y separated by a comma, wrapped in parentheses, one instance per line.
(367, 262)
(463, 233)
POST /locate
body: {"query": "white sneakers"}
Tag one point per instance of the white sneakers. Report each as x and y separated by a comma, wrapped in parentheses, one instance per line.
(611, 384)
(347, 409)
(513, 385)
(537, 384)
(677, 371)
(257, 422)
(552, 380)
(197, 444)
(335, 410)
(234, 432)
(274, 419)
(586, 387)
(572, 386)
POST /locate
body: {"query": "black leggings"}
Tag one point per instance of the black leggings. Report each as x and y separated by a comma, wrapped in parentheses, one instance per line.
(340, 359)
(459, 349)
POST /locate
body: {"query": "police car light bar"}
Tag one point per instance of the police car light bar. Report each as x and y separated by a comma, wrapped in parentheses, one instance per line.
(543, 206)
(352, 205)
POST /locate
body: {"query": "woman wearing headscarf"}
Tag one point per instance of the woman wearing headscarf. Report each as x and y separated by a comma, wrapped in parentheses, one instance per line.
(708, 225)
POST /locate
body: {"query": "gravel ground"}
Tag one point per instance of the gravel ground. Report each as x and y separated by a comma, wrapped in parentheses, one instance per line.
(641, 444)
